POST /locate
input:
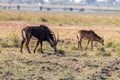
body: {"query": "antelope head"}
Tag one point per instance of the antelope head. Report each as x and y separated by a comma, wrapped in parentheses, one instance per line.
(102, 41)
(55, 41)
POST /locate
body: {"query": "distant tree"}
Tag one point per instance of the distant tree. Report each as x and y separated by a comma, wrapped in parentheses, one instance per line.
(48, 9)
(90, 2)
(82, 9)
(18, 7)
(41, 7)
(9, 7)
(71, 9)
(4, 7)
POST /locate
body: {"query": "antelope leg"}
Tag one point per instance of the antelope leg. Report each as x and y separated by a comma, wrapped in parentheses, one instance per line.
(36, 46)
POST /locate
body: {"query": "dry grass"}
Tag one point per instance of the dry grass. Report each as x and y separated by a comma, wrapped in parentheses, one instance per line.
(74, 64)
(83, 19)
(70, 63)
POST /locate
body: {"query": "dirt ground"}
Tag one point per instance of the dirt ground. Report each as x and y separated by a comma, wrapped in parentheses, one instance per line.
(20, 25)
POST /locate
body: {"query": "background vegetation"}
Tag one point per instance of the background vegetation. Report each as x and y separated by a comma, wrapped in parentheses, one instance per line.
(59, 18)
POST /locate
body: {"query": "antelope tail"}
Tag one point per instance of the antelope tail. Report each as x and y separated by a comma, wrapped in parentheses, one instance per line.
(23, 34)
(78, 36)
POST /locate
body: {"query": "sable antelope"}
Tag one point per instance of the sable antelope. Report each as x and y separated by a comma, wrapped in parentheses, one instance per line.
(42, 33)
(90, 36)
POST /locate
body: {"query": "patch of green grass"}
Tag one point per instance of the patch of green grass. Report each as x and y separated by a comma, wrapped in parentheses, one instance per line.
(68, 78)
(117, 48)
(15, 40)
(5, 44)
(102, 52)
(21, 79)
(11, 41)
(118, 75)
(40, 78)
(109, 44)
(60, 52)
(74, 48)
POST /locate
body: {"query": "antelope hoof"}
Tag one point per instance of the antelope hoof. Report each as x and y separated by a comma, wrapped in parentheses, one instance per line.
(21, 51)
(81, 49)
(29, 52)
(42, 52)
(34, 52)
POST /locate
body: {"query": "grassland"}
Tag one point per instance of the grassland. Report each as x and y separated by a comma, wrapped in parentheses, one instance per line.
(59, 18)
(69, 63)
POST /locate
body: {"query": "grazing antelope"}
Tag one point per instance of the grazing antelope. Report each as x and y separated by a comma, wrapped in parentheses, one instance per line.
(42, 33)
(90, 36)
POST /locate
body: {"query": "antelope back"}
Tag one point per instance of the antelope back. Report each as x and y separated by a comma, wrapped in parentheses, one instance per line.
(85, 34)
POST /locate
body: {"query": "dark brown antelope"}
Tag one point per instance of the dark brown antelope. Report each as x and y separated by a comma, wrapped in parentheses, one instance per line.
(90, 36)
(42, 33)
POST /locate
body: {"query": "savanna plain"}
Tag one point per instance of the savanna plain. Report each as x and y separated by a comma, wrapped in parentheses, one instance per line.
(69, 62)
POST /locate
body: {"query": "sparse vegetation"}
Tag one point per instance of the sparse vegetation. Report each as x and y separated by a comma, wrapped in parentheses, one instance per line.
(74, 47)
(110, 43)
(60, 52)
(5, 44)
(101, 64)
(15, 40)
(82, 19)
(118, 50)
(102, 52)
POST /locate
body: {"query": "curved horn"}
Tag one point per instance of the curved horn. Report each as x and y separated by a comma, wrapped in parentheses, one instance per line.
(56, 39)
(53, 35)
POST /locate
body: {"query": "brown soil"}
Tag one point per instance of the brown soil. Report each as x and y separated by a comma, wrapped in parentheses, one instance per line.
(20, 25)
